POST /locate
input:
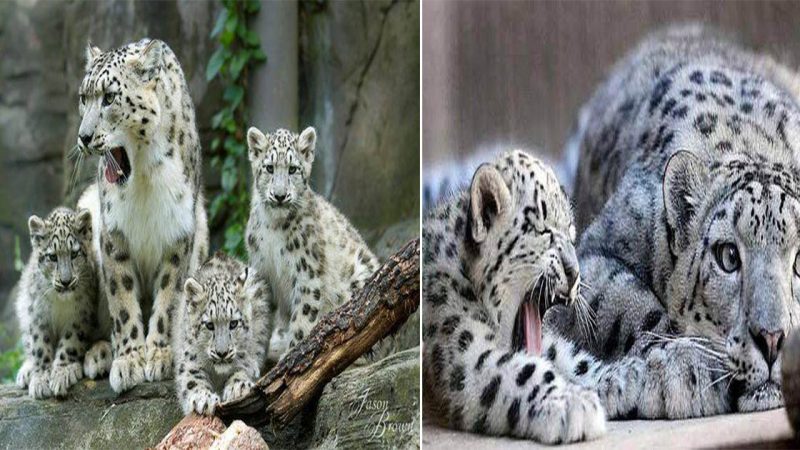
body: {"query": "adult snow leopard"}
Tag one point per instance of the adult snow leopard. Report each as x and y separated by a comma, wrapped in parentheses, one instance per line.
(137, 114)
(688, 188)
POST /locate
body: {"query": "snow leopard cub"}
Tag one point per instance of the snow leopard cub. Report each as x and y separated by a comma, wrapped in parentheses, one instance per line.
(313, 257)
(221, 334)
(57, 305)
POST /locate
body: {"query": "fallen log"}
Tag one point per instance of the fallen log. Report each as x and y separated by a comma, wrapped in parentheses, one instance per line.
(389, 297)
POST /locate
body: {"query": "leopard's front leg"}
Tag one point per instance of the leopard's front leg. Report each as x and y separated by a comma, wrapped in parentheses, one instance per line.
(168, 286)
(682, 377)
(35, 371)
(308, 305)
(123, 291)
(68, 363)
(239, 384)
(195, 391)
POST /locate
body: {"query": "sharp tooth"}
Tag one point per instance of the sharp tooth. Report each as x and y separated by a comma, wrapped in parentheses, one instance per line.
(119, 172)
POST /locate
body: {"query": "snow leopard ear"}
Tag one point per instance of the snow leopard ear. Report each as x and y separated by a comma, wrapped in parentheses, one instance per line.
(150, 60)
(83, 224)
(306, 144)
(92, 53)
(685, 181)
(489, 201)
(256, 142)
(37, 229)
(243, 276)
(192, 289)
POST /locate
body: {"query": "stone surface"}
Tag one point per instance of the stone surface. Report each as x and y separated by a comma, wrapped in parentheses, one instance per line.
(375, 406)
(91, 417)
(239, 436)
(768, 429)
(359, 86)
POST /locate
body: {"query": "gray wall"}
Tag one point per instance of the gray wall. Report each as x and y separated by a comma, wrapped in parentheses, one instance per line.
(497, 74)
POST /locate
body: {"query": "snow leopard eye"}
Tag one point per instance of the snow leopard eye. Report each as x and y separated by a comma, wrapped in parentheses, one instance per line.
(210, 325)
(52, 257)
(270, 168)
(234, 324)
(797, 265)
(83, 99)
(727, 257)
(75, 254)
(292, 170)
(109, 98)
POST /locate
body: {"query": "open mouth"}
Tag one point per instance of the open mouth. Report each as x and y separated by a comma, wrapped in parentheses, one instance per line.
(527, 333)
(118, 166)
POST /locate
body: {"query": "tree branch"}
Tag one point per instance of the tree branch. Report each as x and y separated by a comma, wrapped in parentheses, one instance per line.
(389, 297)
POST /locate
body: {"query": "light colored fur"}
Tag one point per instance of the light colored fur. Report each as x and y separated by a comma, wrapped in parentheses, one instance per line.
(313, 257)
(485, 250)
(58, 320)
(153, 230)
(223, 291)
(690, 147)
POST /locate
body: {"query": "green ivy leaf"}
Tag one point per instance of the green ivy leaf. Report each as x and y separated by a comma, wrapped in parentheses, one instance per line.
(216, 206)
(253, 6)
(238, 62)
(216, 62)
(251, 38)
(223, 16)
(258, 55)
(228, 180)
(233, 237)
(233, 94)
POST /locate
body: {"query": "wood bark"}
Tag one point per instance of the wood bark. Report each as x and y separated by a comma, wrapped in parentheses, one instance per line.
(389, 297)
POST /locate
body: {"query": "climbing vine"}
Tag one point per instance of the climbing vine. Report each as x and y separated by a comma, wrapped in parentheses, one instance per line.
(238, 51)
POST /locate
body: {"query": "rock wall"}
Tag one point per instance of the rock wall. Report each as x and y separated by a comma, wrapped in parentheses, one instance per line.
(359, 85)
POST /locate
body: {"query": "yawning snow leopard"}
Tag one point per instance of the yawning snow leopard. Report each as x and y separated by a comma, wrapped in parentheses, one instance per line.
(496, 257)
(688, 184)
(137, 114)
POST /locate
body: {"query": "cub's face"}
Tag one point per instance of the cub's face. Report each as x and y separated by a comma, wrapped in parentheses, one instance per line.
(220, 321)
(281, 163)
(61, 243)
(522, 233)
(737, 276)
(119, 105)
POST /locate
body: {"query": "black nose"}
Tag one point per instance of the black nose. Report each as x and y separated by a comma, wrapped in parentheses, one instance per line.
(280, 198)
(86, 139)
(769, 343)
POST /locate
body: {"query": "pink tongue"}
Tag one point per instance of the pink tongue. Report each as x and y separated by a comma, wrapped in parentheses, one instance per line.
(532, 328)
(111, 175)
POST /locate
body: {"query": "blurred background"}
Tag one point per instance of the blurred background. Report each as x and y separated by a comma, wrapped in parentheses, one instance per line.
(498, 75)
(350, 69)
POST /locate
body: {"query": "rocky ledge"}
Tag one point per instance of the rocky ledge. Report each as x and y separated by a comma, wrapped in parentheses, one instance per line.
(375, 406)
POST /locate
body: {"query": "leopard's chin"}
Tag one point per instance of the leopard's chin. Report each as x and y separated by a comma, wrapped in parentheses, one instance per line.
(765, 396)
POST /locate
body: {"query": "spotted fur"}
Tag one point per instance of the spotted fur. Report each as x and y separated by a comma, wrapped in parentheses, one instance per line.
(58, 304)
(687, 185)
(312, 256)
(483, 250)
(137, 113)
(221, 334)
